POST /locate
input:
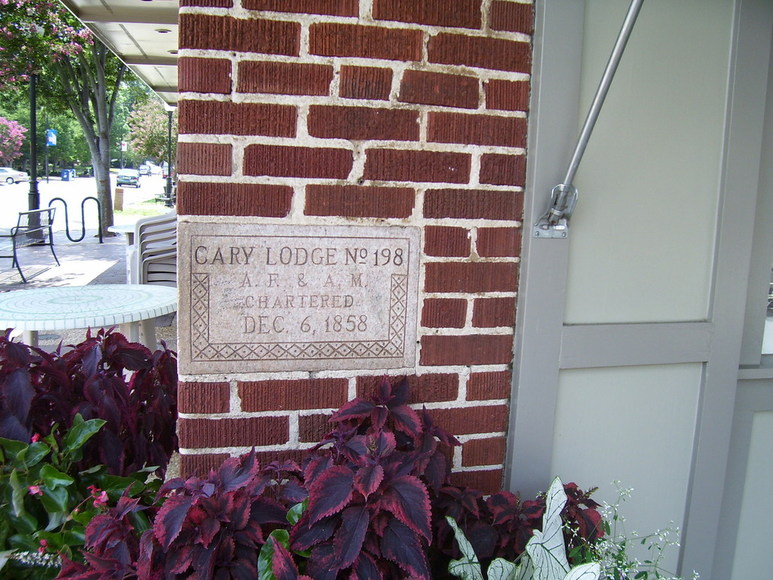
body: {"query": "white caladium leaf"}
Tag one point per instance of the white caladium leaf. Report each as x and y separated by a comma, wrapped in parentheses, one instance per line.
(467, 567)
(525, 569)
(591, 571)
(546, 548)
(501, 569)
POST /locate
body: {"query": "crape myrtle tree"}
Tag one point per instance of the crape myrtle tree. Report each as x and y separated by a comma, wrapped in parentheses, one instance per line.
(11, 140)
(148, 129)
(41, 37)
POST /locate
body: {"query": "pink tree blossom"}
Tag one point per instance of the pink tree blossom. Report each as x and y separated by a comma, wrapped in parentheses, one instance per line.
(11, 138)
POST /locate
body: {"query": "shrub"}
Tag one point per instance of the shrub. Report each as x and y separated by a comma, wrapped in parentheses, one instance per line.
(39, 389)
(369, 501)
(47, 503)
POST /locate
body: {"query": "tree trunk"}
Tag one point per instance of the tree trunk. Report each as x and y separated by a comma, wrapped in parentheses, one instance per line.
(84, 79)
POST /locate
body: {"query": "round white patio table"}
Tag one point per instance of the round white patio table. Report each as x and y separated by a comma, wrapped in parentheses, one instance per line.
(92, 306)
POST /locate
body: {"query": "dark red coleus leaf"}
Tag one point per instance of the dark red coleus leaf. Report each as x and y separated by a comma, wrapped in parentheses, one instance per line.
(403, 547)
(407, 498)
(331, 492)
(282, 563)
(170, 518)
(350, 535)
(368, 478)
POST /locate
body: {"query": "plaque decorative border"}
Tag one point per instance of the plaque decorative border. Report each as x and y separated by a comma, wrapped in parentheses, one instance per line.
(203, 350)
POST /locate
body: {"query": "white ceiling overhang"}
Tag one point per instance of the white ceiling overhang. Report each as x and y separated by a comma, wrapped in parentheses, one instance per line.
(143, 33)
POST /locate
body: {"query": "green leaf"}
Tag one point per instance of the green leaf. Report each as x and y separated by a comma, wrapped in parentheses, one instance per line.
(467, 567)
(54, 478)
(294, 513)
(18, 492)
(81, 432)
(5, 555)
(55, 500)
(36, 452)
(115, 485)
(13, 446)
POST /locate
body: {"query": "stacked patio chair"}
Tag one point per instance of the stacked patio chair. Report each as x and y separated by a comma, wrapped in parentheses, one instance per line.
(155, 250)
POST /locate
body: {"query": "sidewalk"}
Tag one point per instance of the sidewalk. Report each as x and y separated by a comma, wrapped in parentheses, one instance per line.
(85, 262)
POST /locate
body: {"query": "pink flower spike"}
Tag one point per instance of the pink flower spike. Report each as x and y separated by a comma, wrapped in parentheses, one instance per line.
(35, 438)
(101, 500)
(43, 546)
(35, 490)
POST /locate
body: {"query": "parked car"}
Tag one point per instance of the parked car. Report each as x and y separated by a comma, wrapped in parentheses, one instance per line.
(144, 169)
(128, 177)
(10, 175)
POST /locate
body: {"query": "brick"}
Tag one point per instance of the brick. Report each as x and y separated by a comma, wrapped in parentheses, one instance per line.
(283, 395)
(313, 428)
(507, 95)
(214, 117)
(480, 52)
(512, 17)
(471, 277)
(498, 242)
(196, 397)
(281, 456)
(236, 199)
(489, 385)
(463, 14)
(472, 204)
(467, 350)
(356, 201)
(363, 123)
(469, 420)
(204, 159)
(233, 432)
(284, 78)
(333, 39)
(444, 313)
(476, 129)
(493, 312)
(487, 481)
(200, 464)
(489, 451)
(329, 7)
(446, 241)
(428, 88)
(365, 82)
(282, 161)
(427, 388)
(207, 32)
(204, 75)
(418, 166)
(496, 169)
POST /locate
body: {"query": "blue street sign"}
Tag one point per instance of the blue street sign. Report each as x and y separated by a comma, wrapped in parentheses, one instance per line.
(51, 137)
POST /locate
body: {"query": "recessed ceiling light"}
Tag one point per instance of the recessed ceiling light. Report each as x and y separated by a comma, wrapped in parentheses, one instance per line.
(172, 51)
(163, 30)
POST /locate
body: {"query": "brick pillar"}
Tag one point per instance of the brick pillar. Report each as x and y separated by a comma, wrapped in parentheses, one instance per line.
(402, 112)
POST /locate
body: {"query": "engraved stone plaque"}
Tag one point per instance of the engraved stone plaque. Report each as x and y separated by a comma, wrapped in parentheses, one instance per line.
(263, 298)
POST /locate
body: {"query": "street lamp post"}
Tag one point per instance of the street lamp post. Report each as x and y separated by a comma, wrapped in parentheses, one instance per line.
(169, 112)
(34, 194)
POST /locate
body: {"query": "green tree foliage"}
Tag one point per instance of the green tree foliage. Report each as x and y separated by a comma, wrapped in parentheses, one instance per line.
(11, 140)
(149, 130)
(73, 66)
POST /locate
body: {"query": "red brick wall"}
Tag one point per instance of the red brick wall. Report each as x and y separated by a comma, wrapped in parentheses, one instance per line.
(405, 112)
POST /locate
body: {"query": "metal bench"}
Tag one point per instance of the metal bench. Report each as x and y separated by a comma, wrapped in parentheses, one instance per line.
(33, 228)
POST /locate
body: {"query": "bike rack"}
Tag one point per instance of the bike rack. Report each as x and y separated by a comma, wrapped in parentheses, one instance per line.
(83, 217)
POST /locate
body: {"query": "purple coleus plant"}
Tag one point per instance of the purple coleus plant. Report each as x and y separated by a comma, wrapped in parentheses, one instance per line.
(369, 482)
